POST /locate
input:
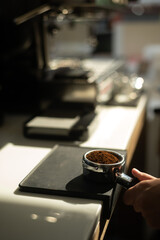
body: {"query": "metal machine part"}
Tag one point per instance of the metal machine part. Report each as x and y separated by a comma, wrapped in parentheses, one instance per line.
(107, 173)
(95, 85)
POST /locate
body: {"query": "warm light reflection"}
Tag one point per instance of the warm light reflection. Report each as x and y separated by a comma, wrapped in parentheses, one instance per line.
(139, 83)
(65, 11)
(120, 1)
(50, 219)
(34, 216)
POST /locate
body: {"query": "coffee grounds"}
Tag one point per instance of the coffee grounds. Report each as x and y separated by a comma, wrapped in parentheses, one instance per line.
(102, 157)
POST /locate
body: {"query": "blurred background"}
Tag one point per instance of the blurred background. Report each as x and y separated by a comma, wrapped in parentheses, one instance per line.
(77, 54)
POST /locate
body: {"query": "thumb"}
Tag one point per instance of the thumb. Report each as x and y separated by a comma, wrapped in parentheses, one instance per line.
(141, 175)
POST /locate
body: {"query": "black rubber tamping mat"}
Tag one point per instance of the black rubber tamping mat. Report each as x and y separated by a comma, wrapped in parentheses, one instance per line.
(61, 173)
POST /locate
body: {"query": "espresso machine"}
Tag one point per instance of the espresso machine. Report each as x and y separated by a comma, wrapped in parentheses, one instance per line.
(61, 74)
(66, 40)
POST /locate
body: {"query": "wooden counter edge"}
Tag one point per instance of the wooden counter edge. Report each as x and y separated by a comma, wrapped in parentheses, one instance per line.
(132, 143)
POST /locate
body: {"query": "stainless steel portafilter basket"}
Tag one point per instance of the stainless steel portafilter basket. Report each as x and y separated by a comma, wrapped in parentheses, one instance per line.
(106, 173)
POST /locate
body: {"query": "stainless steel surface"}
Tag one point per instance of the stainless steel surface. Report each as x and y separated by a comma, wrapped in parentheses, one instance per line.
(95, 85)
(102, 173)
(129, 87)
(108, 174)
(99, 167)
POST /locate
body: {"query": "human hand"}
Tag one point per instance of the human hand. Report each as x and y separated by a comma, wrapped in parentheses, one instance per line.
(145, 197)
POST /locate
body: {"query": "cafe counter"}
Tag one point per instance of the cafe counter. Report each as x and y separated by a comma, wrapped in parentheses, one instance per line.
(29, 215)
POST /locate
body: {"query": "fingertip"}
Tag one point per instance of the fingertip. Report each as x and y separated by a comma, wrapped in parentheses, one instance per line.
(136, 173)
(135, 170)
(141, 175)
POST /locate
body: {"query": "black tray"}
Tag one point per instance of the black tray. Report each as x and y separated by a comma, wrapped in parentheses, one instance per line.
(61, 173)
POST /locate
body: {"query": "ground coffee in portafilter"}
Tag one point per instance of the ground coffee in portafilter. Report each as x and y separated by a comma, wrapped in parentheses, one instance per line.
(102, 157)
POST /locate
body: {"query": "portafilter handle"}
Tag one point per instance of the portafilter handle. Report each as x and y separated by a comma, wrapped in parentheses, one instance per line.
(125, 181)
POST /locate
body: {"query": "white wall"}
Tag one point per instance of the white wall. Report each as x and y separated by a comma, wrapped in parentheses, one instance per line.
(131, 37)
